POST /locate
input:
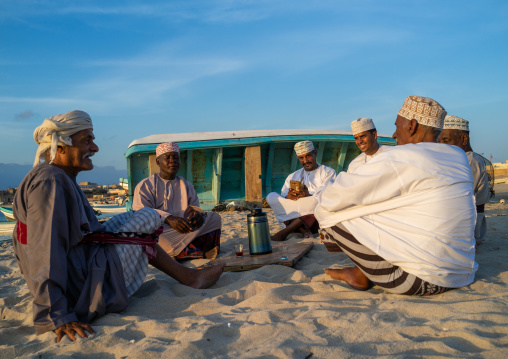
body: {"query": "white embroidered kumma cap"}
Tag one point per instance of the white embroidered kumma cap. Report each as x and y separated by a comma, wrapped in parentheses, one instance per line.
(424, 110)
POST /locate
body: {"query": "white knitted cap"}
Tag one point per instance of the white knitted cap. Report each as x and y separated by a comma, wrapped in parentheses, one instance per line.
(361, 125)
(455, 123)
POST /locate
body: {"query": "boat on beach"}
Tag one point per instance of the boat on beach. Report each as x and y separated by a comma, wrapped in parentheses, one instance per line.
(7, 212)
(109, 209)
(226, 166)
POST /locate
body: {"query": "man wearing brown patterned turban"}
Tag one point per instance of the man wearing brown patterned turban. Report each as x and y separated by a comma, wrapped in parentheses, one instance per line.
(406, 217)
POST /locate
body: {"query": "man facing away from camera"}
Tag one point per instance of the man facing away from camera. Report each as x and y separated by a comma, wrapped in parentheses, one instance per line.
(406, 217)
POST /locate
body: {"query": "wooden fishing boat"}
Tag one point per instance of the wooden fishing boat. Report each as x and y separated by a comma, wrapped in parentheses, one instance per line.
(109, 209)
(227, 166)
(7, 212)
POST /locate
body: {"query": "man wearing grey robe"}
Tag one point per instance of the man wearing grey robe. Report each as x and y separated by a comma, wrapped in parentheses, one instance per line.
(73, 282)
(54, 263)
(456, 132)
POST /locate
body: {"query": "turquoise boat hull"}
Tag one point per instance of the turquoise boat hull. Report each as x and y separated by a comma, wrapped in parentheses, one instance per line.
(214, 162)
(7, 212)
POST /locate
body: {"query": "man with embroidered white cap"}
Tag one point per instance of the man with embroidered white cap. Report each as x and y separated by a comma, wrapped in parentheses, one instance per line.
(295, 205)
(456, 132)
(406, 217)
(365, 134)
(77, 268)
(189, 233)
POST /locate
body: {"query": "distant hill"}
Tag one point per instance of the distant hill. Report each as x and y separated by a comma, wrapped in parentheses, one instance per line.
(11, 175)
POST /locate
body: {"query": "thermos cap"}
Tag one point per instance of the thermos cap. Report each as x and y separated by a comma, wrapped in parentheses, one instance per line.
(256, 212)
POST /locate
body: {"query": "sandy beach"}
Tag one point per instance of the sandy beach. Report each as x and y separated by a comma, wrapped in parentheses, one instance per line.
(281, 312)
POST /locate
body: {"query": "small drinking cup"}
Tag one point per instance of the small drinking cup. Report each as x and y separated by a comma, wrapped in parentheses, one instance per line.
(239, 250)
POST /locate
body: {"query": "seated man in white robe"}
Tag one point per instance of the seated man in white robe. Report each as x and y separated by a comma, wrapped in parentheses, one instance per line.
(406, 217)
(77, 268)
(189, 233)
(295, 205)
(456, 132)
(365, 135)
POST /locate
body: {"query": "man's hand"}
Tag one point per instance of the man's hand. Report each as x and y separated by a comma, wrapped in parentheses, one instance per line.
(193, 217)
(294, 194)
(71, 328)
(178, 224)
(305, 191)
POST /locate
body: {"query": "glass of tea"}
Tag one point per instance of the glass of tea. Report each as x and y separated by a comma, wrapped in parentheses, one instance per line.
(239, 250)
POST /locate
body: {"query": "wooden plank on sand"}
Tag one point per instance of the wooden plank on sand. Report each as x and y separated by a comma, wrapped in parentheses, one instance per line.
(247, 262)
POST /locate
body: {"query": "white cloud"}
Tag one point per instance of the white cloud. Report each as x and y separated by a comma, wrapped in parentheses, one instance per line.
(43, 100)
(149, 76)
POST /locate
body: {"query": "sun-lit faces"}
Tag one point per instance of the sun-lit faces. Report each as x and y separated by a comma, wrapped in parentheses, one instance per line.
(367, 142)
(401, 134)
(76, 158)
(169, 164)
(308, 161)
(452, 137)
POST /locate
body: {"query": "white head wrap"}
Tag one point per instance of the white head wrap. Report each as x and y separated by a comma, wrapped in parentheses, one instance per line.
(304, 147)
(57, 130)
(424, 110)
(361, 125)
(455, 123)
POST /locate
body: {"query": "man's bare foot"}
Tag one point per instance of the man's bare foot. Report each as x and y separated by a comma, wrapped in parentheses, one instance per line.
(280, 236)
(206, 277)
(353, 276)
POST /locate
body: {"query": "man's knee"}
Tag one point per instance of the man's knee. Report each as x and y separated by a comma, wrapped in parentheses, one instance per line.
(272, 197)
(215, 216)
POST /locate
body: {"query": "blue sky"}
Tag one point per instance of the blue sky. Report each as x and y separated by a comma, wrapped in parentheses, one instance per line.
(149, 67)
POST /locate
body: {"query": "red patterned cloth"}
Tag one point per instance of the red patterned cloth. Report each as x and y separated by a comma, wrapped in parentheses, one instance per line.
(21, 232)
(200, 245)
(147, 240)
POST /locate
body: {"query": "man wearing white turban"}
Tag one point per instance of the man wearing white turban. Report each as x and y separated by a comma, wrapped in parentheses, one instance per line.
(57, 131)
(297, 200)
(365, 134)
(456, 132)
(71, 277)
(406, 217)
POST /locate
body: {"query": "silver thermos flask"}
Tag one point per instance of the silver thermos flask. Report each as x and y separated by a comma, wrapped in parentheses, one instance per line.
(259, 233)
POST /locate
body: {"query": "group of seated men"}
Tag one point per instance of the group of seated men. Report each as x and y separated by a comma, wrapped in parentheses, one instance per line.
(405, 215)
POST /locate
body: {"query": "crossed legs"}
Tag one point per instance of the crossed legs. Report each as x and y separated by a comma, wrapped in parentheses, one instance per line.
(307, 225)
(371, 269)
